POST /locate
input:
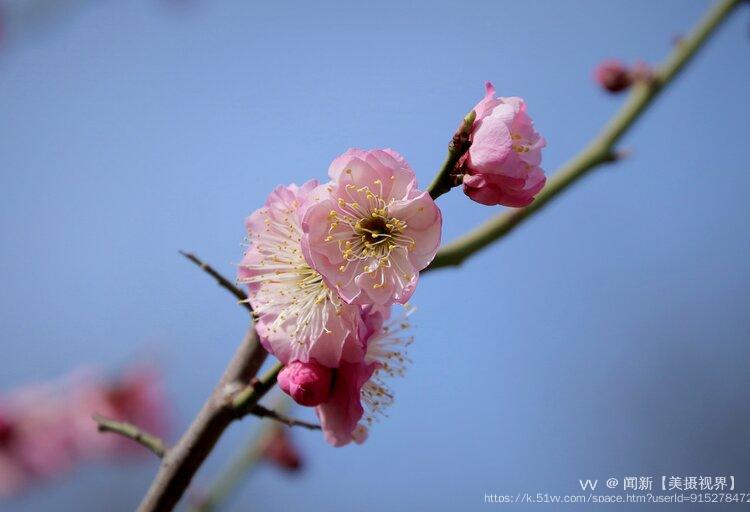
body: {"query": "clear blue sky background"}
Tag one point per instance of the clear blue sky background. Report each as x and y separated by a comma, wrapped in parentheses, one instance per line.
(607, 337)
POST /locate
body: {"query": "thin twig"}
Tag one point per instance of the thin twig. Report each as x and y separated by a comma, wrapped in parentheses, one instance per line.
(599, 151)
(220, 279)
(263, 412)
(130, 431)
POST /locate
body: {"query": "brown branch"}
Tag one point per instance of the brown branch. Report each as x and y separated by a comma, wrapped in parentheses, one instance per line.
(220, 279)
(132, 432)
(181, 462)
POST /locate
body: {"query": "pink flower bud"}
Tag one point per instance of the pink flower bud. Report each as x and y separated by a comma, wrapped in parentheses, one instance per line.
(613, 76)
(502, 165)
(308, 384)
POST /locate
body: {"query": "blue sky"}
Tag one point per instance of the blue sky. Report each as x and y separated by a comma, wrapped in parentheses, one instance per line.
(606, 337)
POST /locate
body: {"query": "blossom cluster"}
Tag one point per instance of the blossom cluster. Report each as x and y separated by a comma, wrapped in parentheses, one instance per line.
(327, 262)
(46, 428)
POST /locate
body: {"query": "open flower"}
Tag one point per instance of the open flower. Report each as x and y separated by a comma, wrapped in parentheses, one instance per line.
(374, 230)
(360, 394)
(299, 316)
(502, 165)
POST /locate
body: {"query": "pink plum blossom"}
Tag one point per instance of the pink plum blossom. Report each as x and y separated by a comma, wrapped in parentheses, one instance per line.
(502, 165)
(299, 317)
(371, 230)
(340, 415)
(360, 395)
(308, 383)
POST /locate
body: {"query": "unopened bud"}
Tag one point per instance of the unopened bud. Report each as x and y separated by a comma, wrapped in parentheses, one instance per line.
(308, 384)
(613, 76)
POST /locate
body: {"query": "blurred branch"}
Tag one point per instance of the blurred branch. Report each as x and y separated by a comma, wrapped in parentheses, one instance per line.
(599, 151)
(220, 279)
(130, 431)
(228, 481)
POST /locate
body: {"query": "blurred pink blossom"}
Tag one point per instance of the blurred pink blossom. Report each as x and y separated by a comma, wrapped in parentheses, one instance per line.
(46, 429)
(136, 396)
(280, 450)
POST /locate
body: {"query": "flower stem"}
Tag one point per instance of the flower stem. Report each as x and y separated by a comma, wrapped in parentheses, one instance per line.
(245, 400)
(599, 151)
(459, 144)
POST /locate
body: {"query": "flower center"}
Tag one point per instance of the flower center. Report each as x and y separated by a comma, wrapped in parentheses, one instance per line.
(521, 145)
(363, 227)
(375, 236)
(373, 228)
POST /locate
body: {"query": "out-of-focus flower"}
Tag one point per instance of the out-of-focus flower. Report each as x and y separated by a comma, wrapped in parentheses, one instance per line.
(502, 165)
(299, 317)
(308, 383)
(45, 429)
(280, 450)
(37, 437)
(360, 394)
(371, 229)
(136, 396)
(613, 76)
